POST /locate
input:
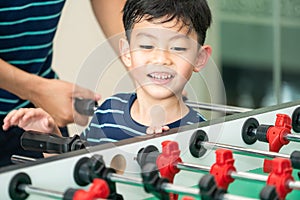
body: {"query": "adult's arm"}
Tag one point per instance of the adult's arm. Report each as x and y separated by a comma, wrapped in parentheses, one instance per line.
(54, 96)
(109, 16)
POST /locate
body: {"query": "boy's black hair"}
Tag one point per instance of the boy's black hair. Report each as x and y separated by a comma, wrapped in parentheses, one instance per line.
(193, 13)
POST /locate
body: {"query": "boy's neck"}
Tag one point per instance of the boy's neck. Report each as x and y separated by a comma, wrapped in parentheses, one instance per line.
(159, 112)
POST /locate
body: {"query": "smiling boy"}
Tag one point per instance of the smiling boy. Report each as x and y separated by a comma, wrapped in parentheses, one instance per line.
(164, 45)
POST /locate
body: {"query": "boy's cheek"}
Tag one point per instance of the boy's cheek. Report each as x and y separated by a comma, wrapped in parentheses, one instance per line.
(139, 58)
(188, 57)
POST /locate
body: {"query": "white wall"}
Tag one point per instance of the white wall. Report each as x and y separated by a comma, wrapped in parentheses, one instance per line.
(77, 35)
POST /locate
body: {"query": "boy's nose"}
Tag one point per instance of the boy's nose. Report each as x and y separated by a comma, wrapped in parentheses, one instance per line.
(161, 57)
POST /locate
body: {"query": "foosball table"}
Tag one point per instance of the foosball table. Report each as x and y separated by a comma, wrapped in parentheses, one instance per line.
(249, 155)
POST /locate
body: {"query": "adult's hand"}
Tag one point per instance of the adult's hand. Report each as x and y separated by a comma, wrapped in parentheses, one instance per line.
(52, 95)
(57, 98)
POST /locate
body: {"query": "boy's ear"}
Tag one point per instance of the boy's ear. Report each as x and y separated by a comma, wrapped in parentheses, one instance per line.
(125, 52)
(202, 58)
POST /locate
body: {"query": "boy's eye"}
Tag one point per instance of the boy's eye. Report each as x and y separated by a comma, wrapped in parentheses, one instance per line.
(178, 49)
(146, 46)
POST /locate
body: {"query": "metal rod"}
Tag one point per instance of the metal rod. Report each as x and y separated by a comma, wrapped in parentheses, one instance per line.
(166, 186)
(248, 176)
(292, 137)
(233, 174)
(234, 197)
(196, 192)
(170, 188)
(294, 185)
(40, 191)
(244, 151)
(16, 159)
(192, 167)
(123, 179)
(216, 107)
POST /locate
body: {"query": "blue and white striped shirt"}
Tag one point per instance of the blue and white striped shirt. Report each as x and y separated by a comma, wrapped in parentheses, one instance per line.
(27, 29)
(112, 121)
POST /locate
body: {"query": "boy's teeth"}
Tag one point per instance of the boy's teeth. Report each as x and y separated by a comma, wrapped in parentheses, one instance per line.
(159, 76)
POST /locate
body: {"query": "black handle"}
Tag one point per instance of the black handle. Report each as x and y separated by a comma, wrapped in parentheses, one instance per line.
(50, 143)
(85, 106)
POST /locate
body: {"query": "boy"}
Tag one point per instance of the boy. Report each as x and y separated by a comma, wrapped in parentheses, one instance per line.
(164, 47)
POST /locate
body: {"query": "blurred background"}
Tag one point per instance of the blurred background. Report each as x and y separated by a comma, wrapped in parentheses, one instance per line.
(256, 51)
(259, 51)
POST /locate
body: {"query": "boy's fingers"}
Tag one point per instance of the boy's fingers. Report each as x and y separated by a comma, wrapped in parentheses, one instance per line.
(158, 130)
(165, 128)
(149, 131)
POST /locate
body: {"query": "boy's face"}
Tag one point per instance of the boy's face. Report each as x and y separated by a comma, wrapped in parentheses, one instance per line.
(162, 57)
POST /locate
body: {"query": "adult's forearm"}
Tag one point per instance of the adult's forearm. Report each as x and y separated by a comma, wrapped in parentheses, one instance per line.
(17, 81)
(109, 16)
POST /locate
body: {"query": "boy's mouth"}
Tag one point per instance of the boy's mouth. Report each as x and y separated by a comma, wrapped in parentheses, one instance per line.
(160, 76)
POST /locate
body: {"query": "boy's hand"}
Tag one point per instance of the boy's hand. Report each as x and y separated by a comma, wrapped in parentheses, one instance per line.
(156, 129)
(35, 119)
(157, 114)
